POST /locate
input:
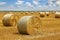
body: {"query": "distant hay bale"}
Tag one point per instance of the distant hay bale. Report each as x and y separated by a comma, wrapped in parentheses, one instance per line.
(32, 12)
(29, 13)
(26, 12)
(29, 25)
(47, 13)
(37, 14)
(10, 12)
(8, 20)
(57, 15)
(53, 12)
(42, 14)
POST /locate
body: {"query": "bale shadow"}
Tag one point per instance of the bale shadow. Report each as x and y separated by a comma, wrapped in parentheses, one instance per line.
(17, 33)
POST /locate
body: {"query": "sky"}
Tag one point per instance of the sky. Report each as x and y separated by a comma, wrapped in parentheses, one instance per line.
(29, 5)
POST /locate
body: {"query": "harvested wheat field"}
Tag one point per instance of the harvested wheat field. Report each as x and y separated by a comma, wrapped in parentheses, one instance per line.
(49, 26)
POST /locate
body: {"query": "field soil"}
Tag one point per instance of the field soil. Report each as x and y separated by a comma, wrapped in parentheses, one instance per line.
(50, 29)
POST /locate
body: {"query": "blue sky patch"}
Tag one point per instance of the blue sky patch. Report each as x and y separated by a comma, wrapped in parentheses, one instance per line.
(30, 5)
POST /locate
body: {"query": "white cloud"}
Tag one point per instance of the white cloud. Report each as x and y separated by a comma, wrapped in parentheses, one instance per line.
(40, 6)
(51, 3)
(58, 2)
(29, 4)
(51, 0)
(2, 3)
(19, 2)
(35, 2)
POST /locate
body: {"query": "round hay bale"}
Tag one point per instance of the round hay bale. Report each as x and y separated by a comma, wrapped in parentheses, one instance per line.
(26, 13)
(57, 15)
(53, 12)
(42, 14)
(8, 20)
(32, 12)
(29, 25)
(47, 13)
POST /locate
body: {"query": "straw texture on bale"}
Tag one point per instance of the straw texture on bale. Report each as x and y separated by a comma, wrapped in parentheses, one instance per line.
(8, 20)
(57, 15)
(29, 25)
(42, 14)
